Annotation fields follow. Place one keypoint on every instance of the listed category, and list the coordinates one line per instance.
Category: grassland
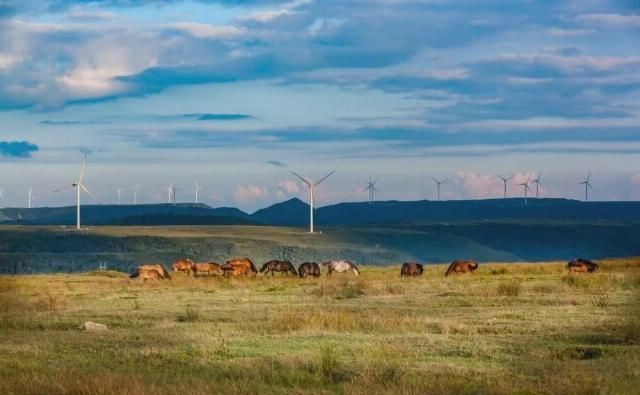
(517, 328)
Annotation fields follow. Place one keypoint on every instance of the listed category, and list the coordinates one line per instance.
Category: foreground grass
(522, 328)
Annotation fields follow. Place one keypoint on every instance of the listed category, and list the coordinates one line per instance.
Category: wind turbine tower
(135, 194)
(196, 188)
(371, 187)
(2, 195)
(30, 198)
(505, 180)
(538, 184)
(119, 196)
(587, 186)
(526, 188)
(312, 186)
(79, 185)
(171, 193)
(438, 183)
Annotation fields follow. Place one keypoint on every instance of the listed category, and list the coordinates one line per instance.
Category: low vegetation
(520, 328)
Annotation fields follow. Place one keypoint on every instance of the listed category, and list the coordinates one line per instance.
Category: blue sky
(235, 93)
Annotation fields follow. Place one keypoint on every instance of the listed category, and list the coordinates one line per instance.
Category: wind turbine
(526, 188)
(371, 187)
(79, 186)
(438, 183)
(196, 188)
(171, 193)
(538, 184)
(135, 194)
(311, 185)
(119, 195)
(587, 186)
(30, 197)
(505, 180)
(2, 195)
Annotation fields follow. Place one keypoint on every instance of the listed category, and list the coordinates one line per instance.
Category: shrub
(511, 288)
(191, 314)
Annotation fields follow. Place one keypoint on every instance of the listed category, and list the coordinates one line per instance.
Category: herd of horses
(245, 267)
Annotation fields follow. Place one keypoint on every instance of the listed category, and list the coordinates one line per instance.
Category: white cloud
(244, 194)
(610, 20)
(288, 187)
(201, 30)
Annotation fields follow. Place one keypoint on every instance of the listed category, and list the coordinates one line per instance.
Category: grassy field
(508, 328)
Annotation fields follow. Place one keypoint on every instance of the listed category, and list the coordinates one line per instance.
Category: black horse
(309, 269)
(278, 266)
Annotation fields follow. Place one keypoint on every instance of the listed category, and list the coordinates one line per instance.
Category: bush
(511, 288)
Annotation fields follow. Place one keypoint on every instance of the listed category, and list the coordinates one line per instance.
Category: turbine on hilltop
(438, 183)
(587, 186)
(371, 187)
(526, 188)
(311, 185)
(505, 180)
(79, 185)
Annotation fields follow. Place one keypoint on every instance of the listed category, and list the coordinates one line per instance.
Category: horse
(206, 268)
(154, 266)
(150, 272)
(309, 269)
(284, 267)
(462, 267)
(341, 267)
(182, 265)
(411, 269)
(582, 266)
(239, 267)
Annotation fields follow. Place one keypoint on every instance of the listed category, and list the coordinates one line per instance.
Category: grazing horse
(284, 267)
(341, 267)
(462, 267)
(207, 268)
(309, 269)
(157, 267)
(182, 265)
(582, 266)
(411, 269)
(239, 267)
(150, 272)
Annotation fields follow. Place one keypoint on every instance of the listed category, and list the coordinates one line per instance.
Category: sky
(235, 94)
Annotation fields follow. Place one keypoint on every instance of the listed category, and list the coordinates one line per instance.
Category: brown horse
(582, 266)
(150, 272)
(309, 269)
(462, 267)
(207, 268)
(182, 265)
(157, 267)
(239, 267)
(411, 269)
(284, 267)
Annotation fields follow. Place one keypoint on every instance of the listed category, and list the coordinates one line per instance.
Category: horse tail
(135, 275)
(264, 267)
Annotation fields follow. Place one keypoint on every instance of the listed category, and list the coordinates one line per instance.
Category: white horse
(341, 267)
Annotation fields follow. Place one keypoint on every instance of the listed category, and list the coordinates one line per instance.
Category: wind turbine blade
(324, 178)
(434, 179)
(513, 175)
(84, 165)
(590, 187)
(374, 181)
(89, 193)
(301, 178)
(63, 188)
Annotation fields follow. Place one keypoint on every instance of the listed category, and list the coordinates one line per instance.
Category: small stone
(90, 326)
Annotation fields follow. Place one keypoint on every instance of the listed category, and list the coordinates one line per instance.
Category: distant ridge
(294, 212)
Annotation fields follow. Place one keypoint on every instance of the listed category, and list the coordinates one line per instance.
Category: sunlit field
(508, 328)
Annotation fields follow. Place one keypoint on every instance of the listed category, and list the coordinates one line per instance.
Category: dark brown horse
(284, 267)
(582, 266)
(462, 267)
(411, 269)
(182, 265)
(207, 268)
(239, 267)
(309, 269)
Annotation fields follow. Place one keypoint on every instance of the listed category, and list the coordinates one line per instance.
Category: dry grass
(525, 328)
